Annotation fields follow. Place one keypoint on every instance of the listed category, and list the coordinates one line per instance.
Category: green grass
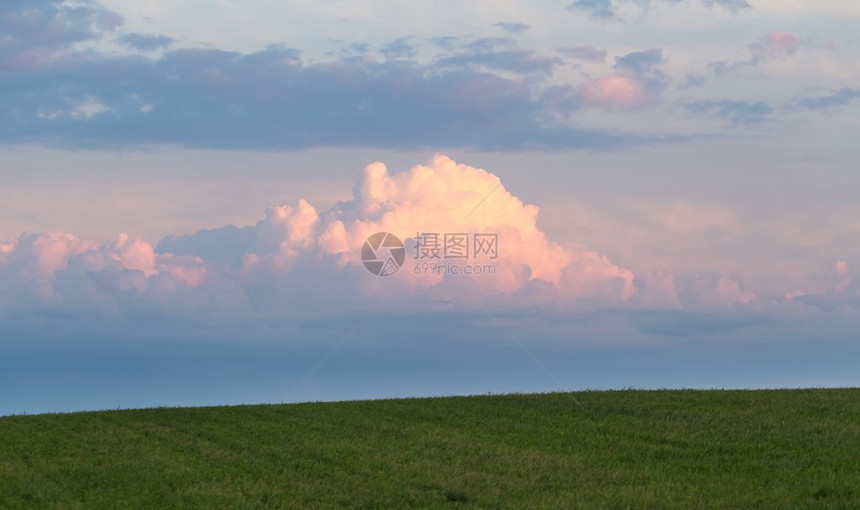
(619, 449)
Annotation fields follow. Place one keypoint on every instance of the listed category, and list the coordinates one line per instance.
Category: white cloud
(297, 261)
(297, 256)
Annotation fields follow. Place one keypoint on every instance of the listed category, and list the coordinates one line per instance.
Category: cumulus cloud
(298, 257)
(438, 198)
(45, 268)
(842, 292)
(301, 263)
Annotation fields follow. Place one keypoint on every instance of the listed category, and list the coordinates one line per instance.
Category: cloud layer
(297, 260)
(483, 92)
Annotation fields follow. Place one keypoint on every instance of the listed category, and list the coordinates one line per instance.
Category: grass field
(619, 449)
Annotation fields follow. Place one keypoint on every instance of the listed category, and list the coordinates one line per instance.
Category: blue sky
(186, 188)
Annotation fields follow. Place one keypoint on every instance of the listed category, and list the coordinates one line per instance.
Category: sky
(595, 194)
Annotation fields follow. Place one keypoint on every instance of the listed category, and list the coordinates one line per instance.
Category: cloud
(296, 259)
(298, 265)
(34, 32)
(772, 46)
(499, 53)
(513, 28)
(398, 48)
(444, 41)
(731, 5)
(693, 80)
(483, 94)
(840, 97)
(736, 112)
(713, 291)
(637, 82)
(146, 42)
(52, 23)
(601, 9)
(615, 90)
(841, 268)
(640, 62)
(300, 262)
(441, 197)
(584, 53)
(608, 9)
(842, 295)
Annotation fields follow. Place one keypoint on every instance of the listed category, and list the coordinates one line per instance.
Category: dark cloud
(513, 28)
(490, 44)
(584, 53)
(445, 41)
(399, 48)
(722, 67)
(640, 62)
(839, 98)
(601, 9)
(273, 99)
(736, 112)
(359, 48)
(731, 5)
(607, 9)
(32, 32)
(772, 46)
(693, 80)
(484, 53)
(145, 42)
(226, 244)
(51, 23)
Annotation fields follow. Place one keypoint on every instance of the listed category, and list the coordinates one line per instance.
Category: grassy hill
(619, 449)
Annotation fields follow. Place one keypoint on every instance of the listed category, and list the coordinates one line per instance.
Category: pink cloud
(613, 91)
(186, 270)
(775, 45)
(298, 256)
(296, 260)
(840, 267)
(134, 254)
(715, 291)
